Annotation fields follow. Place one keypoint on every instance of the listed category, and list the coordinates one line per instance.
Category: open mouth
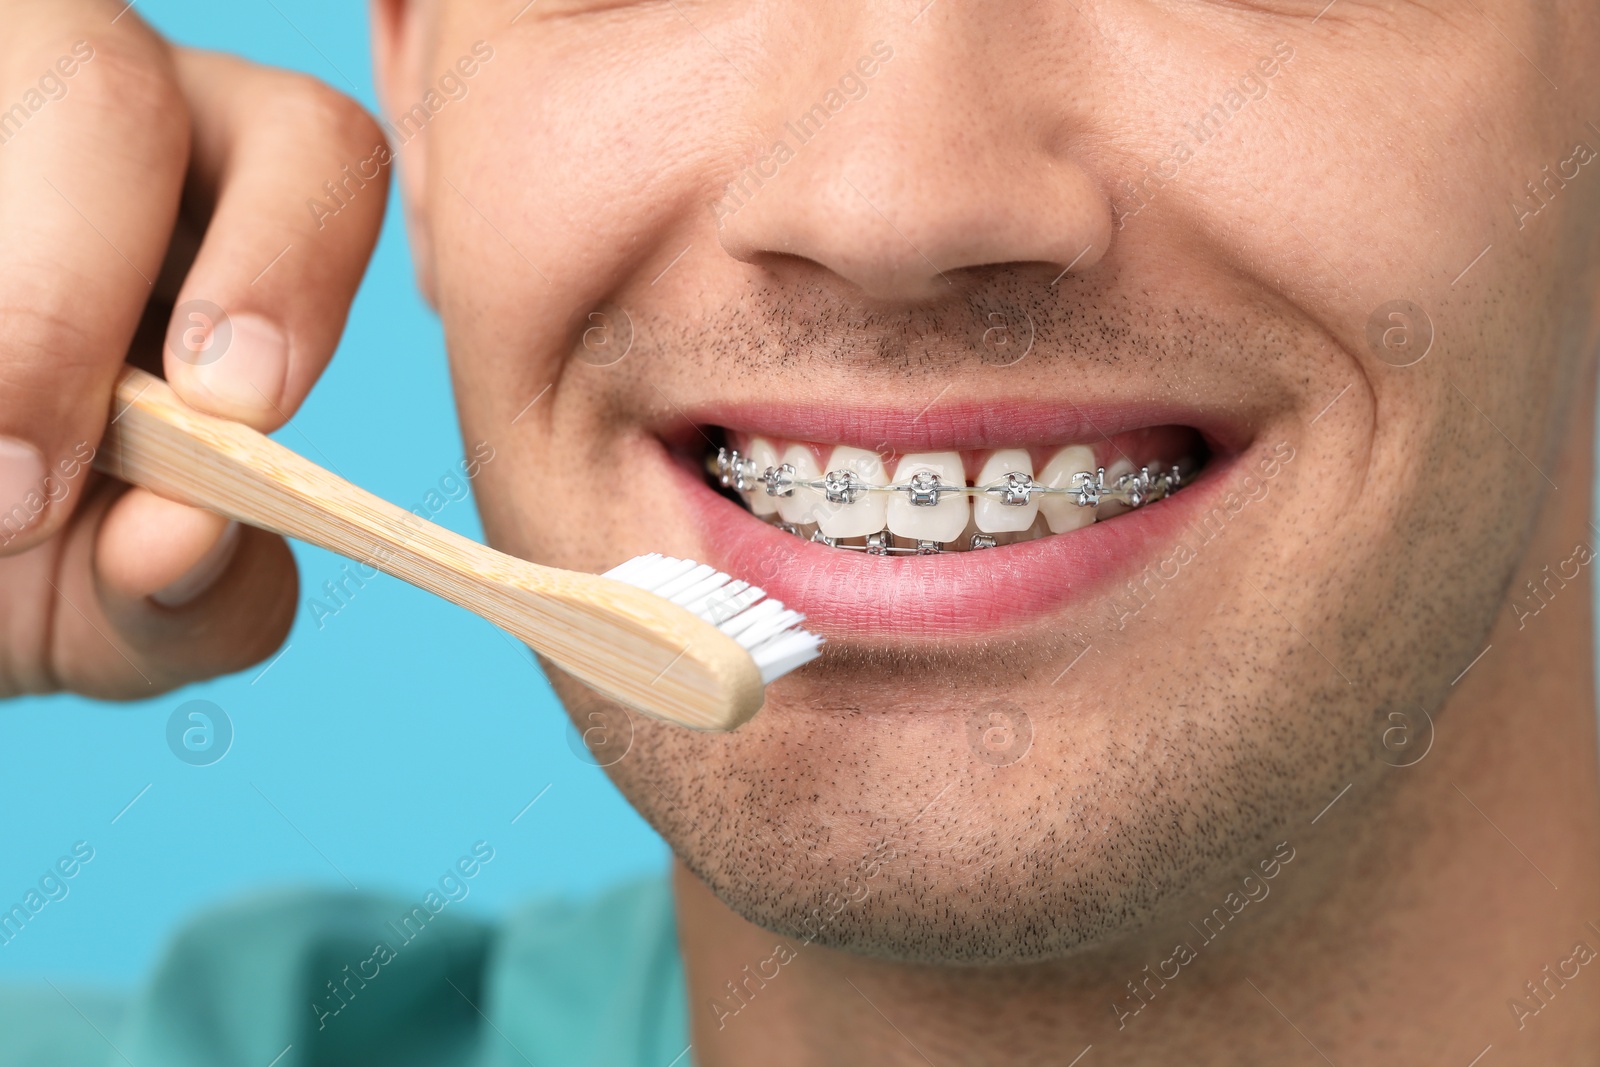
(891, 525)
(926, 503)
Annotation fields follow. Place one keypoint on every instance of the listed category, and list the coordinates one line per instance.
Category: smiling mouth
(871, 568)
(929, 503)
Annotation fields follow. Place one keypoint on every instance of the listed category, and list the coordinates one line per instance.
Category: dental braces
(925, 489)
(883, 543)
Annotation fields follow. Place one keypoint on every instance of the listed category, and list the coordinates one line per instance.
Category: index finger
(90, 182)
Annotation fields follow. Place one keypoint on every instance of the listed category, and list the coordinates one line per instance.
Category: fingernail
(202, 575)
(251, 373)
(22, 488)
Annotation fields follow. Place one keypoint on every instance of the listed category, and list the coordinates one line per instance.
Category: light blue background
(376, 749)
(380, 746)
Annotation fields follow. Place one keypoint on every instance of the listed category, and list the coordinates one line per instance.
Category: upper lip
(961, 425)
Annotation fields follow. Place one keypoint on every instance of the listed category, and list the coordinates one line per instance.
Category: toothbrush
(673, 639)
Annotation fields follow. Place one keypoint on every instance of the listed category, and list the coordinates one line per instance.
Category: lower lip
(852, 595)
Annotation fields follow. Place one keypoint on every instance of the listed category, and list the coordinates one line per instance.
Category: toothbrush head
(763, 627)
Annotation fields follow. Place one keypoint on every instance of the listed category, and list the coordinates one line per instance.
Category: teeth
(991, 513)
(1060, 512)
(867, 514)
(851, 502)
(1154, 466)
(763, 455)
(1117, 469)
(802, 505)
(940, 522)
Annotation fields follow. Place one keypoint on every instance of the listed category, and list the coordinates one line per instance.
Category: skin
(107, 223)
(1246, 712)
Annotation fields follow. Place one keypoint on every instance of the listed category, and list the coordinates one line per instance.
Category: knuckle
(43, 334)
(128, 74)
(326, 115)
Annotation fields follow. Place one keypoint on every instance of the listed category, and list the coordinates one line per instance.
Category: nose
(903, 180)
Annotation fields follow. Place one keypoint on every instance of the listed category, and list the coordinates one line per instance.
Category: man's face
(1163, 230)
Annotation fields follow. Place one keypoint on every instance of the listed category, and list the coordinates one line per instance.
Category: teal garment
(316, 979)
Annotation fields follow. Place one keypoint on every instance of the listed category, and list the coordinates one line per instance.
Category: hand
(136, 176)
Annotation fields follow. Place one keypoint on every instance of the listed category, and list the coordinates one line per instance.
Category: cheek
(608, 163)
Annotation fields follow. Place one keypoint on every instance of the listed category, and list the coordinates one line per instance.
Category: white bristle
(707, 585)
(726, 602)
(748, 619)
(766, 629)
(769, 629)
(685, 581)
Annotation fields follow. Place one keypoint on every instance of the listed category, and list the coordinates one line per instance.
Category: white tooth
(1155, 467)
(801, 505)
(993, 516)
(1060, 510)
(764, 455)
(964, 541)
(1116, 470)
(866, 515)
(942, 522)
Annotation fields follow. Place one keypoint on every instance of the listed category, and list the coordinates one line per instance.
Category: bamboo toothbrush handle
(157, 441)
(631, 645)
